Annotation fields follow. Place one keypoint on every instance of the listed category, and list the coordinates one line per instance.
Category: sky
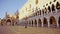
(10, 6)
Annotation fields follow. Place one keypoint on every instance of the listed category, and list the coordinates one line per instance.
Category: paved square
(28, 30)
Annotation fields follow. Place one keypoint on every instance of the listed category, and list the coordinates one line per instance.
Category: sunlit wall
(28, 7)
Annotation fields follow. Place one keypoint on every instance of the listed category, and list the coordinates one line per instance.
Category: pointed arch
(45, 22)
(8, 21)
(53, 7)
(52, 21)
(49, 8)
(57, 5)
(39, 22)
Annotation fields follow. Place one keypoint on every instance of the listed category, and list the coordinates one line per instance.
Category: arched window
(57, 5)
(53, 7)
(49, 8)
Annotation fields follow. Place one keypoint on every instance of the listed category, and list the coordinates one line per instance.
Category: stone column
(42, 23)
(47, 11)
(28, 23)
(44, 13)
(51, 10)
(55, 9)
(33, 23)
(37, 22)
(48, 24)
(57, 24)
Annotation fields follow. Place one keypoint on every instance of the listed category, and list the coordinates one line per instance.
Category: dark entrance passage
(39, 22)
(8, 22)
(52, 22)
(59, 21)
(45, 22)
(32, 22)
